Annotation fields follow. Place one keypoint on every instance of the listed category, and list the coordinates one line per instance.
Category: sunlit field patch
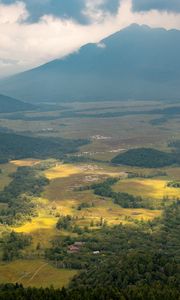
(67, 170)
(61, 171)
(34, 273)
(150, 188)
(42, 228)
(43, 221)
(25, 162)
(114, 214)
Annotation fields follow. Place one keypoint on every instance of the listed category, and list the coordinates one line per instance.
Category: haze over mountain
(8, 105)
(135, 63)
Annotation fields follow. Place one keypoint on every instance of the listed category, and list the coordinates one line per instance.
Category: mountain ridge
(137, 62)
(9, 104)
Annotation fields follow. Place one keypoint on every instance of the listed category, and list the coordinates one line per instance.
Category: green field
(37, 273)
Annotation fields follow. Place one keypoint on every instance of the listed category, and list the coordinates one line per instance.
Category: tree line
(125, 200)
(26, 183)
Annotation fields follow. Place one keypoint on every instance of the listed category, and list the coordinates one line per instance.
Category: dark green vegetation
(151, 175)
(159, 292)
(84, 205)
(112, 72)
(14, 146)
(174, 184)
(25, 184)
(147, 158)
(12, 244)
(64, 223)
(130, 260)
(8, 105)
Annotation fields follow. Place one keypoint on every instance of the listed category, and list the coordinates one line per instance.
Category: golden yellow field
(36, 273)
(41, 222)
(25, 162)
(42, 228)
(150, 188)
(67, 170)
(61, 171)
(62, 199)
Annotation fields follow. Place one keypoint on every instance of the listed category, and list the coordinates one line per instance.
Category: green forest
(150, 271)
(15, 146)
(18, 195)
(147, 158)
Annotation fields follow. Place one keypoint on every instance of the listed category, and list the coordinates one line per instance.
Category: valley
(71, 188)
(90, 150)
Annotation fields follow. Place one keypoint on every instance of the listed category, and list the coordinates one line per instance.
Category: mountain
(135, 63)
(8, 105)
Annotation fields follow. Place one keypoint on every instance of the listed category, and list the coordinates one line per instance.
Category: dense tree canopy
(13, 243)
(26, 183)
(14, 146)
(146, 157)
(130, 259)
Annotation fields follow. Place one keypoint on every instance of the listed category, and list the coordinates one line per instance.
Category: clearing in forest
(150, 188)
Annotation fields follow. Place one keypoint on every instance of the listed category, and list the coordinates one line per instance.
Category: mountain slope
(8, 105)
(135, 63)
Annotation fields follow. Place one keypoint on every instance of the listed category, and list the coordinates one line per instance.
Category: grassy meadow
(37, 273)
(148, 188)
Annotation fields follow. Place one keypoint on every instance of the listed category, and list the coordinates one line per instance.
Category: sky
(33, 32)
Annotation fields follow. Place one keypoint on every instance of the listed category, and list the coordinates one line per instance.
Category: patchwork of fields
(67, 193)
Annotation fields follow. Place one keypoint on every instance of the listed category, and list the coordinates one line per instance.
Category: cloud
(13, 13)
(24, 45)
(101, 45)
(66, 8)
(98, 10)
(163, 5)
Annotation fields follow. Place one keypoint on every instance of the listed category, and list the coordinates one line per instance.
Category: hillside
(8, 105)
(14, 146)
(146, 157)
(135, 63)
